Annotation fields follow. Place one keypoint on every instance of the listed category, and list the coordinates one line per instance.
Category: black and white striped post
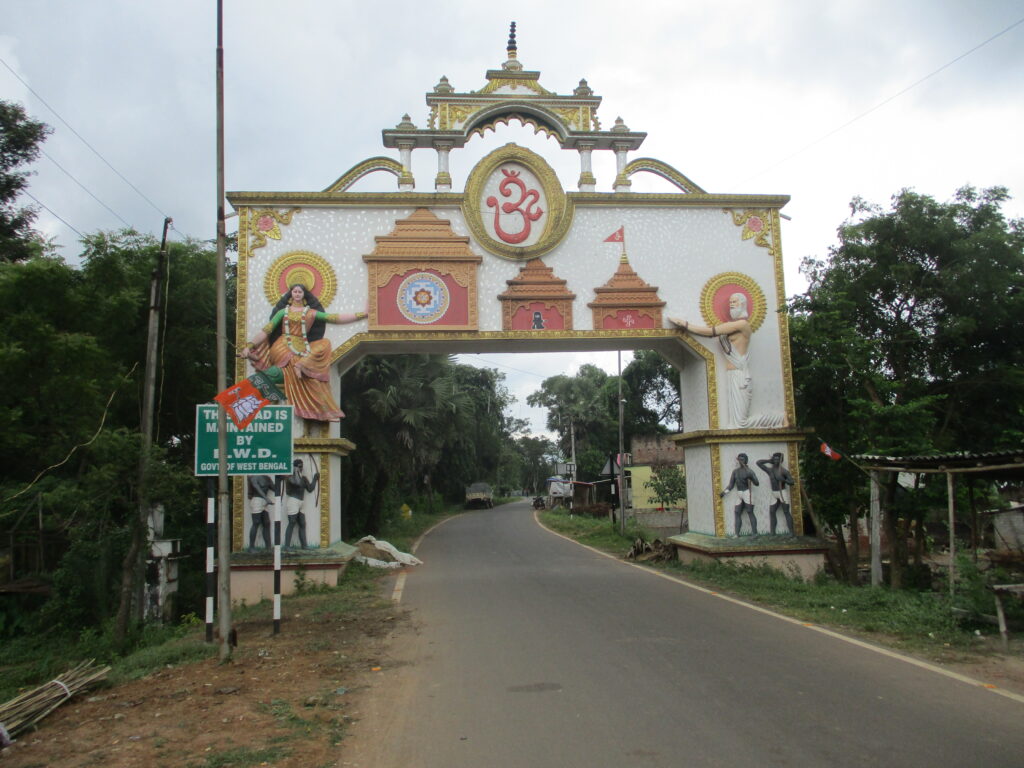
(211, 537)
(278, 501)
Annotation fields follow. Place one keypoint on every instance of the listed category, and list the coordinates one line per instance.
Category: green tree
(72, 349)
(906, 341)
(20, 140)
(421, 423)
(583, 411)
(585, 408)
(654, 386)
(538, 457)
(668, 483)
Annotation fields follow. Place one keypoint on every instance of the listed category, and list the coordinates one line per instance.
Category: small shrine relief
(626, 302)
(536, 300)
(422, 276)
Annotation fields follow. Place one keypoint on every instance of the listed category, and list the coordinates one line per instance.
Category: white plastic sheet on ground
(381, 554)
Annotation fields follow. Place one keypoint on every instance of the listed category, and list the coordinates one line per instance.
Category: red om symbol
(523, 206)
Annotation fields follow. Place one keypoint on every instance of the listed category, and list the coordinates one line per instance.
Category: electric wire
(82, 139)
(882, 103)
(84, 188)
(51, 211)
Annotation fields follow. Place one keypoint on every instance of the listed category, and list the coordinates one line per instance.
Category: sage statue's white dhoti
(740, 393)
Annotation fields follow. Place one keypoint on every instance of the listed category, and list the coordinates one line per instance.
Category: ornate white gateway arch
(514, 262)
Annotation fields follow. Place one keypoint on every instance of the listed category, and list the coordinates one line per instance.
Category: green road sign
(262, 448)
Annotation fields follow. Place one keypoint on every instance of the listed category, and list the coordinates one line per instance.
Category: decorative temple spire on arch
(512, 92)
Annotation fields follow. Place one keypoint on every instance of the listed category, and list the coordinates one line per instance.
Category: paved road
(534, 651)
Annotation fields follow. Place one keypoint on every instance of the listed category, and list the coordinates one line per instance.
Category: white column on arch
(406, 183)
(587, 182)
(622, 182)
(443, 180)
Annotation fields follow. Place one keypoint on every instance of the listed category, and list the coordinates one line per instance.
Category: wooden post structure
(951, 501)
(875, 538)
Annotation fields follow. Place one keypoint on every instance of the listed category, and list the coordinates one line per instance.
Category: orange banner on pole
(242, 402)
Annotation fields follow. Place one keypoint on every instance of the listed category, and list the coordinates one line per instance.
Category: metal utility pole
(224, 515)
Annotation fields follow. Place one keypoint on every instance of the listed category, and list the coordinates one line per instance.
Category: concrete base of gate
(252, 573)
(664, 524)
(800, 556)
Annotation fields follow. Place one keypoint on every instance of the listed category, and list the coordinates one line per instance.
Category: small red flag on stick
(618, 236)
(831, 453)
(242, 402)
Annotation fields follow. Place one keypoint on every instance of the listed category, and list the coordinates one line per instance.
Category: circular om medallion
(422, 298)
(514, 204)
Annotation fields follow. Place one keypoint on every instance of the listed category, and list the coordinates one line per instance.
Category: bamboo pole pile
(29, 708)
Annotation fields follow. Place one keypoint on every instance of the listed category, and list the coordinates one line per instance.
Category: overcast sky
(817, 99)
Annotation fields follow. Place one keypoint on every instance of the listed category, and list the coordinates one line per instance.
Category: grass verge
(915, 621)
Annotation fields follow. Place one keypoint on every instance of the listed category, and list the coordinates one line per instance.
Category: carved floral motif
(266, 223)
(756, 225)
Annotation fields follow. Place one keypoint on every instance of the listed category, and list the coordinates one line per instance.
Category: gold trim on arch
(786, 353)
(242, 289)
(491, 123)
(711, 361)
(662, 169)
(712, 286)
(796, 501)
(325, 500)
(365, 168)
(716, 483)
(411, 199)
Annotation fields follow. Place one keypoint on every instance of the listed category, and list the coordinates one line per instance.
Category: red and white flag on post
(242, 402)
(618, 236)
(830, 452)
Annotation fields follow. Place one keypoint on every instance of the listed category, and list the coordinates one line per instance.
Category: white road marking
(396, 594)
(853, 641)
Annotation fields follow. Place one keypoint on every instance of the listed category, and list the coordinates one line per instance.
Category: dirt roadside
(288, 700)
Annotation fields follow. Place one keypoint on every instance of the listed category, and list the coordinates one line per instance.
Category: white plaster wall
(700, 494)
(675, 249)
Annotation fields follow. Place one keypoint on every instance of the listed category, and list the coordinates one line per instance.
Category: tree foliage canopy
(72, 355)
(908, 333)
(21, 138)
(907, 342)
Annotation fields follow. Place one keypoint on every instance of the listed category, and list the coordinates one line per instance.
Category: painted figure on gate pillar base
(295, 487)
(742, 479)
(780, 479)
(261, 495)
(293, 340)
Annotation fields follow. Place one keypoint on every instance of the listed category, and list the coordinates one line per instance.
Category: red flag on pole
(831, 453)
(242, 402)
(618, 236)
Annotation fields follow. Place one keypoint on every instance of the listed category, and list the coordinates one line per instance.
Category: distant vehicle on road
(479, 495)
